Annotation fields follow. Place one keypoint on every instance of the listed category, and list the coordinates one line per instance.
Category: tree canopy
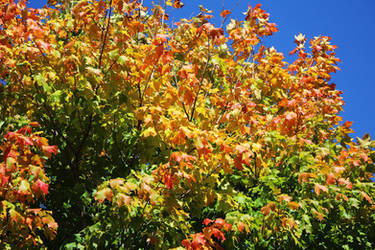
(122, 130)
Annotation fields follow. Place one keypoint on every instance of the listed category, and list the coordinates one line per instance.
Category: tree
(184, 134)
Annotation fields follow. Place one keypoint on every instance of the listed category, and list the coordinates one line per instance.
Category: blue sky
(350, 23)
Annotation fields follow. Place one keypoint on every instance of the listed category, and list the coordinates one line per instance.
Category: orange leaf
(34, 124)
(364, 195)
(48, 150)
(330, 179)
(207, 221)
(103, 194)
(320, 216)
(266, 210)
(290, 116)
(284, 197)
(123, 199)
(225, 13)
(319, 188)
(178, 4)
(293, 205)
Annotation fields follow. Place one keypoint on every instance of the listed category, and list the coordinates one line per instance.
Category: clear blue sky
(350, 23)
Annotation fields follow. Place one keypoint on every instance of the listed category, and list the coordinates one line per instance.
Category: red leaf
(48, 150)
(168, 180)
(198, 241)
(26, 141)
(266, 210)
(338, 196)
(207, 221)
(347, 183)
(6, 153)
(186, 243)
(25, 130)
(218, 234)
(220, 222)
(40, 185)
(240, 226)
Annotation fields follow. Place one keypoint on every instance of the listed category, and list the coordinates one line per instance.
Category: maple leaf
(176, 156)
(318, 188)
(218, 234)
(293, 205)
(48, 150)
(186, 243)
(123, 199)
(266, 210)
(207, 221)
(178, 4)
(24, 130)
(284, 197)
(198, 241)
(40, 185)
(330, 179)
(290, 116)
(364, 195)
(225, 13)
(24, 188)
(34, 124)
(240, 226)
(300, 38)
(220, 222)
(168, 180)
(320, 216)
(116, 182)
(44, 45)
(105, 193)
(339, 196)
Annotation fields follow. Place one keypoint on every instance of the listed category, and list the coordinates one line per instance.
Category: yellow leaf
(149, 132)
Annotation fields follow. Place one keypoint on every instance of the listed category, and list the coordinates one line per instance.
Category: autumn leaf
(104, 194)
(40, 185)
(318, 188)
(49, 150)
(177, 4)
(225, 13)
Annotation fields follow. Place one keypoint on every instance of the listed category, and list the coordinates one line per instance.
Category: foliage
(23, 182)
(186, 134)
